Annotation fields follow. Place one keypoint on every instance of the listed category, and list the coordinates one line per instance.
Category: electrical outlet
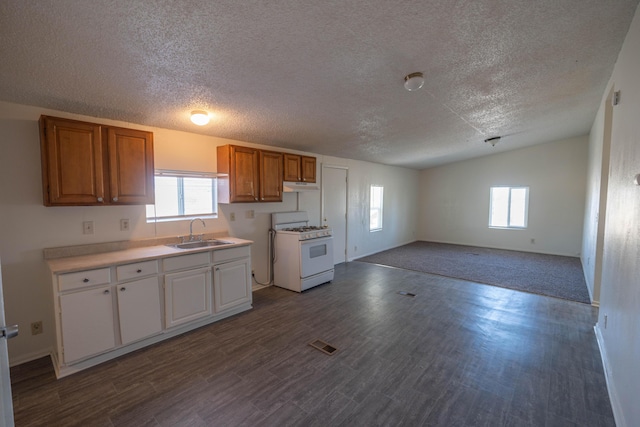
(124, 224)
(533, 240)
(250, 214)
(232, 216)
(36, 327)
(87, 227)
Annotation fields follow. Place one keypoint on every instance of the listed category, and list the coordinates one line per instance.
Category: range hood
(293, 187)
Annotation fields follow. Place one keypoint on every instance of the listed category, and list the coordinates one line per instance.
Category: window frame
(509, 206)
(379, 209)
(181, 175)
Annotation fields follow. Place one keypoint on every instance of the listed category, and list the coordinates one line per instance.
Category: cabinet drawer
(185, 261)
(82, 279)
(231, 253)
(139, 269)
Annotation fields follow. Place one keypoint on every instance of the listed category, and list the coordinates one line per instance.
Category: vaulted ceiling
(323, 76)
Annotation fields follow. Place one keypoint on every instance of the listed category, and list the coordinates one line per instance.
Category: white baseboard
(355, 258)
(24, 358)
(613, 395)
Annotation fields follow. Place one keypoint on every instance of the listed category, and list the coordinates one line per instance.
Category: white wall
(454, 198)
(595, 205)
(400, 207)
(619, 335)
(27, 227)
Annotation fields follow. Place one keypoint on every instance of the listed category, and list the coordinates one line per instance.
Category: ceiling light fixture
(199, 117)
(493, 141)
(413, 81)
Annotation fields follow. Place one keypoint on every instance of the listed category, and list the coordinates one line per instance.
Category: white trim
(188, 174)
(618, 415)
(31, 356)
(380, 250)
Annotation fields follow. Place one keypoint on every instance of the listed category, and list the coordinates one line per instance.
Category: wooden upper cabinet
(308, 169)
(131, 173)
(72, 162)
(241, 164)
(270, 176)
(292, 163)
(299, 168)
(87, 164)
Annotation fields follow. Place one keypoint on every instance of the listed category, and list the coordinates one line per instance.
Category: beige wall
(618, 325)
(454, 205)
(27, 227)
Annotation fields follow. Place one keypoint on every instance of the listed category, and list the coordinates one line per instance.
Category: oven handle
(317, 239)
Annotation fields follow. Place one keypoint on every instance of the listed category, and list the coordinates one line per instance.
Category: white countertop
(107, 259)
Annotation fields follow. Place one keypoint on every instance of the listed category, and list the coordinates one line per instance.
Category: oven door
(316, 256)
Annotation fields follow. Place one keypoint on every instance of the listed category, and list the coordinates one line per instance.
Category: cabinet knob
(106, 291)
(100, 199)
(115, 199)
(138, 271)
(217, 268)
(122, 289)
(85, 280)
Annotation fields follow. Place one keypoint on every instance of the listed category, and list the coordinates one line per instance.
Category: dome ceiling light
(413, 81)
(200, 117)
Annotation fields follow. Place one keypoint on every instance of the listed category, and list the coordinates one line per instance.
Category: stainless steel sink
(199, 244)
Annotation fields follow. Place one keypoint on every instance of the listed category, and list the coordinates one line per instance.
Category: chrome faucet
(191, 228)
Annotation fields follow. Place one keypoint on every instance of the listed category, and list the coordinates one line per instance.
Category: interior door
(334, 208)
(6, 403)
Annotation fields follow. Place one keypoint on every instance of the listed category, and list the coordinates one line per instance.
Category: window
(508, 207)
(375, 206)
(182, 194)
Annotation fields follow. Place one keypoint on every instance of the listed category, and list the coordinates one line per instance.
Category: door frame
(346, 202)
(6, 401)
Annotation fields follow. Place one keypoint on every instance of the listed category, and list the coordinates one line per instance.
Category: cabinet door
(87, 323)
(308, 169)
(292, 164)
(243, 176)
(270, 176)
(72, 162)
(187, 296)
(131, 173)
(139, 309)
(232, 284)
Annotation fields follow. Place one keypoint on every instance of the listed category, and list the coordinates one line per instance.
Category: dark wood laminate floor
(456, 354)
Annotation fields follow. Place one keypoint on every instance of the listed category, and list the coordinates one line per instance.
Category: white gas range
(303, 254)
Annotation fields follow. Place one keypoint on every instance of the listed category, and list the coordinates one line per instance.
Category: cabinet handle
(217, 268)
(138, 271)
(85, 280)
(106, 291)
(115, 199)
(100, 199)
(122, 289)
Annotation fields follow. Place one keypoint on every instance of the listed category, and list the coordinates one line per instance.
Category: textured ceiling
(323, 76)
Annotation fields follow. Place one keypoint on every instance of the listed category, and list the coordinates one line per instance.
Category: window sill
(180, 218)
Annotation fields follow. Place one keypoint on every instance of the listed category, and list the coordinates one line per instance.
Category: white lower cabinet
(87, 323)
(99, 318)
(187, 296)
(139, 309)
(232, 284)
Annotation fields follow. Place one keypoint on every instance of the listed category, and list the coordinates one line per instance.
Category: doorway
(334, 208)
